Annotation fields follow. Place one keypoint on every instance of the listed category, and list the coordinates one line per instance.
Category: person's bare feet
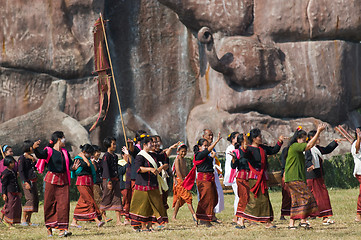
(358, 218)
(126, 222)
(174, 219)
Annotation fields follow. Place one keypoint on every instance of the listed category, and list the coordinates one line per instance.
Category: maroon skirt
(319, 191)
(12, 208)
(86, 209)
(243, 194)
(208, 196)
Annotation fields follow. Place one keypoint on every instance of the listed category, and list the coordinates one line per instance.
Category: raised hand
(36, 144)
(358, 132)
(125, 150)
(321, 127)
(76, 164)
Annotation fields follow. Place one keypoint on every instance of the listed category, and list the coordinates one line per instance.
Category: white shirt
(227, 167)
(356, 159)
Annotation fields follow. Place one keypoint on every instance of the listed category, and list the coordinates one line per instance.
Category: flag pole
(2, 153)
(115, 86)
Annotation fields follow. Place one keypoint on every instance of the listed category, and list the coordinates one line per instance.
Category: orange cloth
(179, 192)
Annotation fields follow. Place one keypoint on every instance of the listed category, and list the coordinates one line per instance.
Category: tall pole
(115, 86)
(2, 153)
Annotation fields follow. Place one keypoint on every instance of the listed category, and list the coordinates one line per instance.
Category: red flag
(101, 67)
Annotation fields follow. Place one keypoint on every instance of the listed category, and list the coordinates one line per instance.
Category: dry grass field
(343, 202)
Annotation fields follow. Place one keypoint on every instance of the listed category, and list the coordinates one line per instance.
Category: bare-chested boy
(180, 194)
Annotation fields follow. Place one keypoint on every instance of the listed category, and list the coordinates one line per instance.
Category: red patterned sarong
(208, 196)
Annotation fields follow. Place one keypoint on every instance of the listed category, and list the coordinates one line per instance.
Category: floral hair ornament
(248, 134)
(306, 139)
(299, 128)
(135, 139)
(142, 136)
(51, 142)
(229, 135)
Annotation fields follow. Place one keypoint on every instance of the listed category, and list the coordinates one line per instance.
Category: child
(10, 193)
(180, 194)
(86, 209)
(111, 191)
(28, 178)
(97, 187)
(124, 179)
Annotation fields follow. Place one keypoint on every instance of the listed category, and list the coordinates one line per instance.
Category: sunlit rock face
(154, 57)
(270, 64)
(297, 63)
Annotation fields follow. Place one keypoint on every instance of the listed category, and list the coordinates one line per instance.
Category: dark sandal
(240, 226)
(305, 225)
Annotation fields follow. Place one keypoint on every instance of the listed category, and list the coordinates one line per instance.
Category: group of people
(136, 185)
(304, 193)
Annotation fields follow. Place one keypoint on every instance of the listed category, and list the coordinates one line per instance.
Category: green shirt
(295, 163)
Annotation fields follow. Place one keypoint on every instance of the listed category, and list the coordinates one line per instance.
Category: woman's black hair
(255, 132)
(138, 133)
(239, 141)
(157, 136)
(107, 142)
(96, 148)
(27, 145)
(232, 136)
(8, 160)
(87, 148)
(298, 134)
(311, 134)
(199, 143)
(145, 140)
(54, 138)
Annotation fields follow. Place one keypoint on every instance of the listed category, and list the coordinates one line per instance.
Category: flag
(101, 65)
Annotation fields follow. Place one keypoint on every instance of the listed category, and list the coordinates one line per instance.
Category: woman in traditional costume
(203, 163)
(259, 208)
(86, 209)
(314, 176)
(57, 182)
(303, 202)
(240, 164)
(111, 200)
(147, 205)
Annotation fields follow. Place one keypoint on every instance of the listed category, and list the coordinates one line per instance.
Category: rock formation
(296, 64)
(269, 64)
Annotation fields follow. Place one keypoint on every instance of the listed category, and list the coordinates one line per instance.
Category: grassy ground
(343, 202)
